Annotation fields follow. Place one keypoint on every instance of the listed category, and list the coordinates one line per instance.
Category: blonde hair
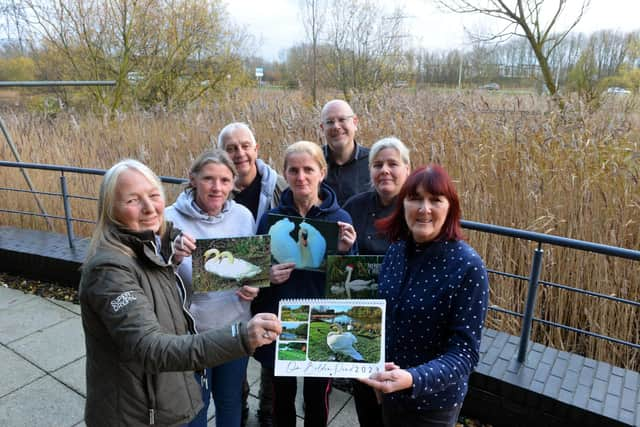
(102, 234)
(306, 147)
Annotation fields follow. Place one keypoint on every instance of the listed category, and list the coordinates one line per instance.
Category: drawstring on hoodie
(173, 246)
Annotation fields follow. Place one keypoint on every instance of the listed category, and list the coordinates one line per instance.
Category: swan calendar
(338, 338)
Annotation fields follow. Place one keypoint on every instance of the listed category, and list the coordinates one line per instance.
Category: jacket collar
(146, 245)
(358, 153)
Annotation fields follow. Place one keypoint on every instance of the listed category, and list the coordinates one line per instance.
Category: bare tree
(537, 21)
(167, 52)
(313, 14)
(366, 46)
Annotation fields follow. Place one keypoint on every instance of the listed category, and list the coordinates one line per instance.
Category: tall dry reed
(517, 162)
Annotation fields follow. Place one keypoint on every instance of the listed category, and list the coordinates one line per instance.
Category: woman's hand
(263, 329)
(346, 236)
(279, 273)
(392, 379)
(183, 246)
(247, 293)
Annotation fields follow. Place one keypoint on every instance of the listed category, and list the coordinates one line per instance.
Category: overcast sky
(276, 24)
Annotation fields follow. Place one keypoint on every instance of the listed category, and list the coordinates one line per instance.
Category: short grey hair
(390, 142)
(232, 127)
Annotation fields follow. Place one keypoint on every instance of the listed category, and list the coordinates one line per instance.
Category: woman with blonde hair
(141, 344)
(307, 197)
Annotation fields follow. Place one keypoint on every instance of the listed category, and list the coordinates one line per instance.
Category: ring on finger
(266, 335)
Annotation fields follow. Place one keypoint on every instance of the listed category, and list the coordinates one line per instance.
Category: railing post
(67, 209)
(531, 302)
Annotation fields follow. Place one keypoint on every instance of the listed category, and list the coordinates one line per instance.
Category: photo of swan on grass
(352, 276)
(228, 263)
(345, 333)
(305, 242)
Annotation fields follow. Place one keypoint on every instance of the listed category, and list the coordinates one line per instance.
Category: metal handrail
(47, 83)
(533, 278)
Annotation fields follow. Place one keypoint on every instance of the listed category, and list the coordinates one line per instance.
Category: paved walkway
(42, 362)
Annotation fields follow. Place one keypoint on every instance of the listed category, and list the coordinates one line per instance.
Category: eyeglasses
(340, 120)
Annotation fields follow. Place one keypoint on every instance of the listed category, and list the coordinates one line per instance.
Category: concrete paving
(42, 366)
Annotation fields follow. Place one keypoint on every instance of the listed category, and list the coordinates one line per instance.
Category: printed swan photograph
(224, 264)
(302, 241)
(345, 333)
(352, 276)
(228, 263)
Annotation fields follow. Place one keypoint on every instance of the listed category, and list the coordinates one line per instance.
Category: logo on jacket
(122, 301)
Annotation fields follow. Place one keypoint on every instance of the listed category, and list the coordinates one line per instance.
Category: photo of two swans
(227, 263)
(305, 242)
(340, 332)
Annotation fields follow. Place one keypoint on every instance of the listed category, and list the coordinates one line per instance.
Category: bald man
(348, 161)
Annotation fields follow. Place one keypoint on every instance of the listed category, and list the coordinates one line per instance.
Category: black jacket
(352, 177)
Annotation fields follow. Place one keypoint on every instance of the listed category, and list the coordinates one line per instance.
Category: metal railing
(533, 279)
(64, 193)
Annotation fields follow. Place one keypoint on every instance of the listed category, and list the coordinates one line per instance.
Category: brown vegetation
(516, 161)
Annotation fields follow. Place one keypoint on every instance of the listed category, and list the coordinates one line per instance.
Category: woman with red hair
(437, 291)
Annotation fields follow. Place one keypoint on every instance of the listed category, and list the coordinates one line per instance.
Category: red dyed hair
(431, 179)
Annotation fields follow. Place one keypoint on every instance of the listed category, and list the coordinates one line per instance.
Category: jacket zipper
(192, 324)
(152, 400)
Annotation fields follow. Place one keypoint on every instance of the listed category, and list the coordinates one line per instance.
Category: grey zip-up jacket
(271, 187)
(141, 344)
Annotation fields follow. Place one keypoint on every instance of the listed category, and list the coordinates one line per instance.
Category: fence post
(67, 209)
(531, 302)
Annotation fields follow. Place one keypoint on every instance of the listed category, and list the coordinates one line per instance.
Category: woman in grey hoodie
(204, 211)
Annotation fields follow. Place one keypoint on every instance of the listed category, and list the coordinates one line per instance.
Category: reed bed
(516, 161)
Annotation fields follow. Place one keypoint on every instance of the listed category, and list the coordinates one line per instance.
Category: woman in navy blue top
(309, 197)
(437, 291)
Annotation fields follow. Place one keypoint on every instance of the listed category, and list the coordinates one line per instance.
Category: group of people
(157, 352)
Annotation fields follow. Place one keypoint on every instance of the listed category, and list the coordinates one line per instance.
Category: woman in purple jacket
(437, 291)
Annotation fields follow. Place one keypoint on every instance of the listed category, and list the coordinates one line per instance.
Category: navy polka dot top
(437, 297)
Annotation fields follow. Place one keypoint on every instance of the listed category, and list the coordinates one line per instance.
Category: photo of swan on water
(229, 263)
(353, 276)
(305, 242)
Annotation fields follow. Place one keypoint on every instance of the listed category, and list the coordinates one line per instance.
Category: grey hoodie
(271, 187)
(211, 309)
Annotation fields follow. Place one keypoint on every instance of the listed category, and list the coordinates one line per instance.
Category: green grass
(291, 355)
(369, 348)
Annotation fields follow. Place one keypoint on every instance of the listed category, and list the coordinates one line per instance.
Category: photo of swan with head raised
(352, 276)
